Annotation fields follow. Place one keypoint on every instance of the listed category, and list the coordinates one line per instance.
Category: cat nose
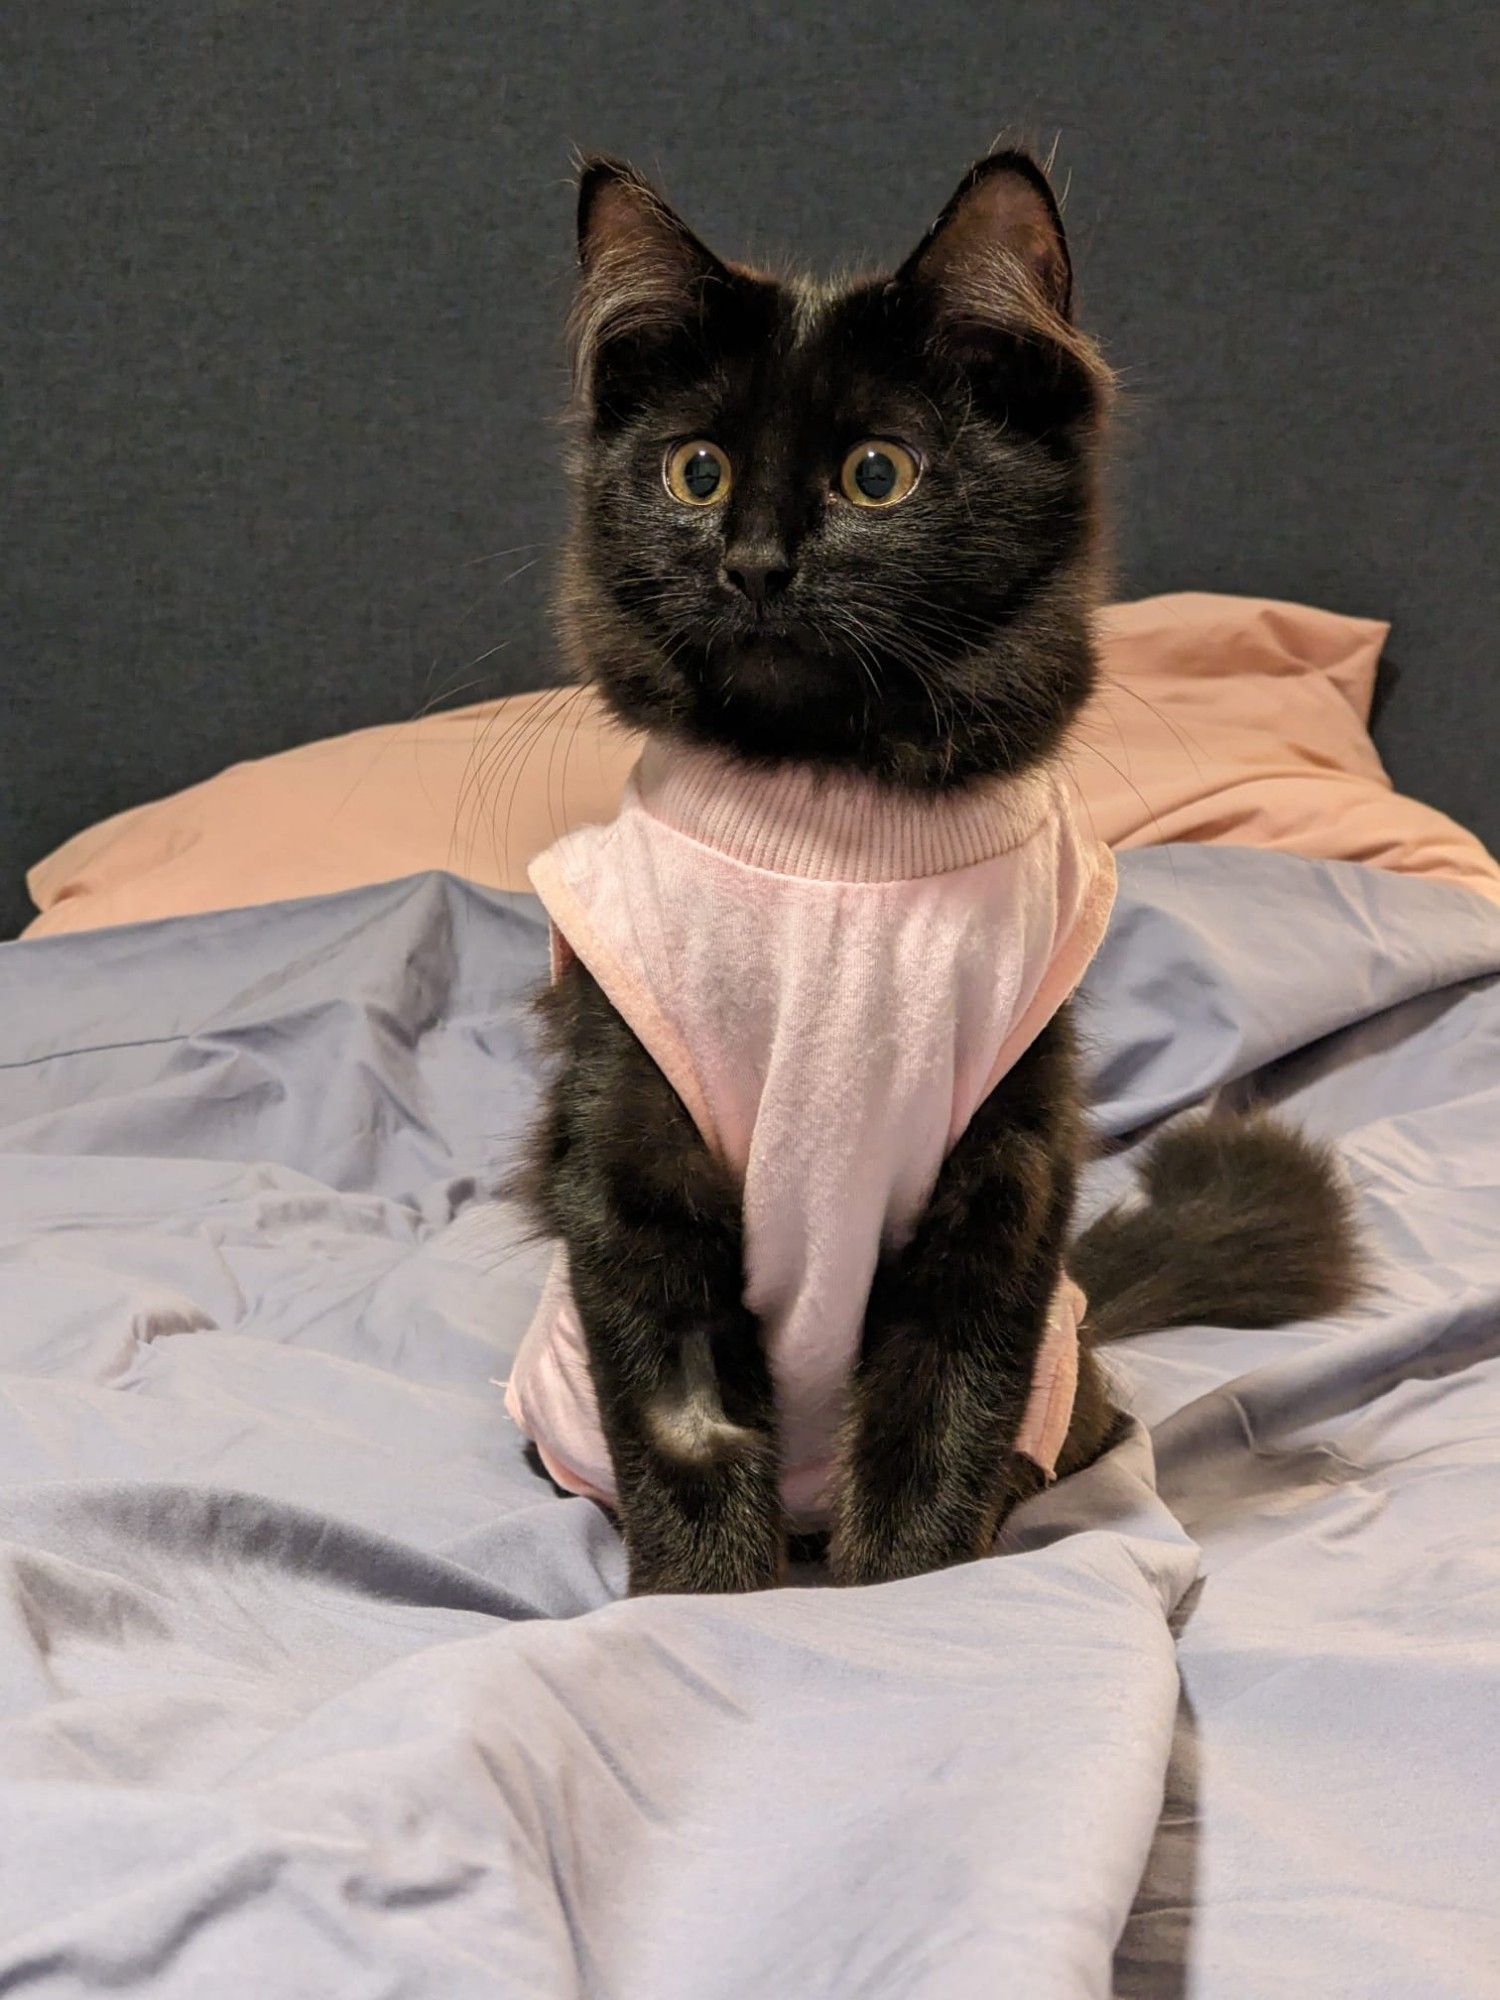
(759, 574)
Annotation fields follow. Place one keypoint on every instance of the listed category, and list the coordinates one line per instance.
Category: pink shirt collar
(828, 826)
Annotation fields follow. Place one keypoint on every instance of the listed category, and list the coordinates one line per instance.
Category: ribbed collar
(795, 821)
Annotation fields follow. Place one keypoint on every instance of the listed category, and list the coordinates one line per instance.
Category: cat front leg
(652, 1225)
(952, 1331)
(691, 1440)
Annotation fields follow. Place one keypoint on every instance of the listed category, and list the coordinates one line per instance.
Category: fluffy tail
(1243, 1222)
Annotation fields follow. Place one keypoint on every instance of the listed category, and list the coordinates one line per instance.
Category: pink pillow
(1242, 721)
(476, 790)
(1226, 719)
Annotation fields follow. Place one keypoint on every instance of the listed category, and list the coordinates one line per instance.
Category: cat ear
(998, 247)
(992, 285)
(643, 279)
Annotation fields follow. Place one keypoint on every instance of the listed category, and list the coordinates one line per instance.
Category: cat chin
(774, 672)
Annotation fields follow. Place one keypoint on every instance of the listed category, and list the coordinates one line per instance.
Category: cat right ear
(644, 278)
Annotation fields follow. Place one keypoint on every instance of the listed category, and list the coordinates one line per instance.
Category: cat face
(851, 524)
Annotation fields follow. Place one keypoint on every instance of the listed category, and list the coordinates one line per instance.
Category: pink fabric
(833, 980)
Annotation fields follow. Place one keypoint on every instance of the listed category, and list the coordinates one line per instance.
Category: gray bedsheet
(308, 1686)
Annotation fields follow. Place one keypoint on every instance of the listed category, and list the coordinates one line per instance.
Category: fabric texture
(312, 1687)
(833, 977)
(1231, 720)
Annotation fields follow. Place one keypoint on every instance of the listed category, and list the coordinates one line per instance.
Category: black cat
(852, 529)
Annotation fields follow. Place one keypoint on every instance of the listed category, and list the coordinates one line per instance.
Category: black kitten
(849, 527)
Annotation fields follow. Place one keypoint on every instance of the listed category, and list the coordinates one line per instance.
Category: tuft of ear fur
(643, 275)
(995, 267)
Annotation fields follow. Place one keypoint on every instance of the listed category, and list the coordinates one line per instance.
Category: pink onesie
(833, 977)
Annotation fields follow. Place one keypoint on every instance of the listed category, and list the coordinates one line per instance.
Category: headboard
(287, 285)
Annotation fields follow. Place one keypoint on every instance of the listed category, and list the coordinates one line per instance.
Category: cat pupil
(875, 475)
(701, 474)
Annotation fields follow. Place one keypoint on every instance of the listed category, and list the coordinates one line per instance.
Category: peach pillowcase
(1235, 720)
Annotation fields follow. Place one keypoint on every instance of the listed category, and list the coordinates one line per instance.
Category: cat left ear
(999, 239)
(993, 285)
(643, 277)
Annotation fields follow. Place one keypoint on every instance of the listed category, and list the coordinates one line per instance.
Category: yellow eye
(879, 473)
(697, 473)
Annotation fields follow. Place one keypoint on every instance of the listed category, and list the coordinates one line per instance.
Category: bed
(309, 1686)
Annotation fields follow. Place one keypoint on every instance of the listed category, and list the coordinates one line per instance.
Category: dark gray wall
(286, 282)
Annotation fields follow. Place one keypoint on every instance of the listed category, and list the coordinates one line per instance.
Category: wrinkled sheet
(309, 1686)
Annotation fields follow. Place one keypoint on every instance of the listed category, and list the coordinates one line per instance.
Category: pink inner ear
(630, 226)
(1004, 212)
(624, 217)
(616, 213)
